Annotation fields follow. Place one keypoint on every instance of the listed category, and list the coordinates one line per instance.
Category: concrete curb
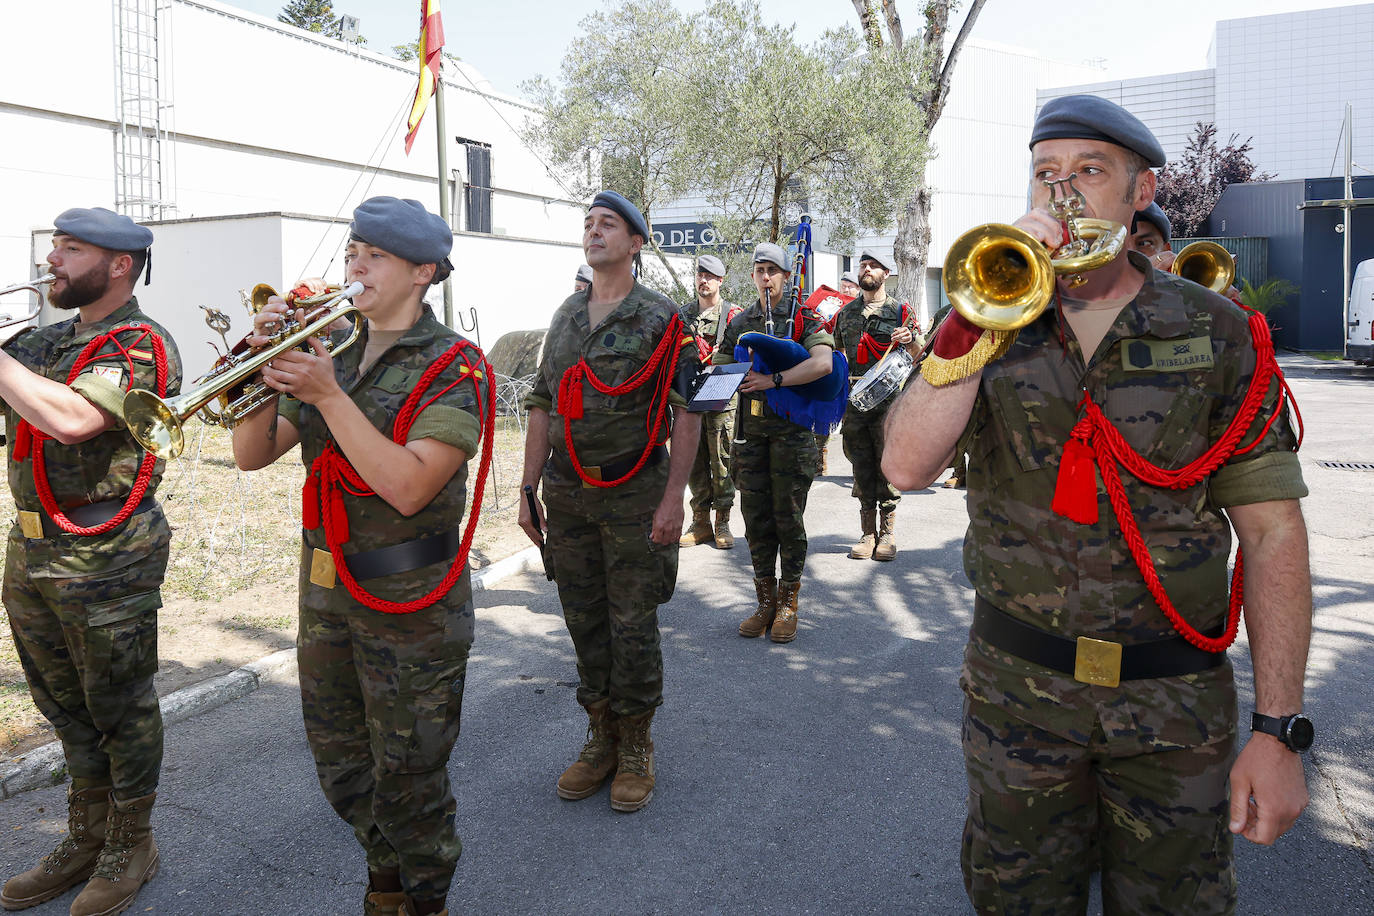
(45, 766)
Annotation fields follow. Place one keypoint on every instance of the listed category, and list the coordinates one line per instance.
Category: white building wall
(1285, 80)
(265, 118)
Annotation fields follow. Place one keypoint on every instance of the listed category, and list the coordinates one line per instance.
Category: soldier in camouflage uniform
(707, 318)
(381, 675)
(1075, 757)
(613, 523)
(83, 607)
(865, 328)
(776, 463)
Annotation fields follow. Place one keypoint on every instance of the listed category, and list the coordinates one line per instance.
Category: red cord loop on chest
(659, 369)
(29, 440)
(1094, 440)
(331, 476)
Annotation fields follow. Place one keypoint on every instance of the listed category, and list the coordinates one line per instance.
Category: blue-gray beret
(772, 254)
(711, 264)
(885, 261)
(1154, 216)
(403, 228)
(613, 200)
(1087, 117)
(104, 228)
(584, 273)
(849, 277)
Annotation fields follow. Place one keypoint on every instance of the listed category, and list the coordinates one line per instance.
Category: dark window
(477, 192)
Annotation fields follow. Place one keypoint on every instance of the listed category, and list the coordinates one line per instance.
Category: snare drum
(882, 381)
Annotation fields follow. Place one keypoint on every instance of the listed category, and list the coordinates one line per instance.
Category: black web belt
(92, 514)
(399, 558)
(613, 471)
(1092, 661)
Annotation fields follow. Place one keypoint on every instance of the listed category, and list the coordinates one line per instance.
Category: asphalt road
(820, 777)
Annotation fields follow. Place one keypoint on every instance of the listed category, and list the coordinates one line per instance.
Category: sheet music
(719, 387)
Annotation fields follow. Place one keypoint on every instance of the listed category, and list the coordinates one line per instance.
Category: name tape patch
(1166, 355)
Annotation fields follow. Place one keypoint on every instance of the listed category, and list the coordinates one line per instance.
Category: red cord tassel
(570, 394)
(338, 518)
(1075, 491)
(23, 440)
(310, 503)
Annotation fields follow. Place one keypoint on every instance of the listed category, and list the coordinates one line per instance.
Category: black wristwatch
(777, 379)
(1294, 731)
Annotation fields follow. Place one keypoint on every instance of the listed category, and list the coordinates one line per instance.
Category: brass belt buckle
(1097, 661)
(322, 572)
(31, 524)
(755, 407)
(592, 472)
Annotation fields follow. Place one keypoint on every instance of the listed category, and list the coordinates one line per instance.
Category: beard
(868, 283)
(81, 290)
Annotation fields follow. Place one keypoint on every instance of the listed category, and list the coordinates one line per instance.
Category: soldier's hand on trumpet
(270, 321)
(307, 377)
(1044, 226)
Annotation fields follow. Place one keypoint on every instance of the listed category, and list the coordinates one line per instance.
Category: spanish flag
(431, 46)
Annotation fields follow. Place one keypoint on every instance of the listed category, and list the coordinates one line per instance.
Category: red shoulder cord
(29, 439)
(1095, 439)
(659, 367)
(331, 475)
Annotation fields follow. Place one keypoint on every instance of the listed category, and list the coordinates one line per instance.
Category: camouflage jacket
(103, 467)
(612, 428)
(707, 325)
(1170, 374)
(879, 321)
(380, 393)
(760, 419)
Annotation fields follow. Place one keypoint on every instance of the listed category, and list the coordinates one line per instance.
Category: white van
(1359, 334)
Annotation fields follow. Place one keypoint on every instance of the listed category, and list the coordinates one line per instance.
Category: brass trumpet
(1001, 278)
(35, 285)
(157, 423)
(1206, 264)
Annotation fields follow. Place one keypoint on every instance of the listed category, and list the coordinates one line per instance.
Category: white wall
(265, 118)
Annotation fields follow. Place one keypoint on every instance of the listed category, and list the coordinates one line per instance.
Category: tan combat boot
(633, 786)
(755, 624)
(887, 546)
(700, 531)
(128, 861)
(74, 858)
(785, 626)
(724, 539)
(383, 903)
(868, 520)
(597, 760)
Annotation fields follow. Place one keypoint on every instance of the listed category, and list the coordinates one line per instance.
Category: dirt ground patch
(230, 593)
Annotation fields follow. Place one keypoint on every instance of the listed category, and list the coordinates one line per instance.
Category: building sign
(685, 238)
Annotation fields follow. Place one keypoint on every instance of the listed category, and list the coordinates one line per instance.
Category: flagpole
(442, 131)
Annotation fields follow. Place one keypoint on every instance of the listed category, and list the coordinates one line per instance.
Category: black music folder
(713, 388)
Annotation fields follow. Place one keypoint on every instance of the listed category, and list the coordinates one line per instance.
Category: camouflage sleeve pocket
(121, 640)
(420, 729)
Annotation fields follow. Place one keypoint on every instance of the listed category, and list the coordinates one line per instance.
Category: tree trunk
(910, 249)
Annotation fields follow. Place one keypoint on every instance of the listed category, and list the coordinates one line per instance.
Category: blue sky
(512, 40)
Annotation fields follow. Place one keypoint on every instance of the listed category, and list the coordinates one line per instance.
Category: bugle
(1206, 264)
(1001, 278)
(157, 423)
(36, 286)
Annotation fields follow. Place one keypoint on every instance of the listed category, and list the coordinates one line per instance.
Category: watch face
(1300, 733)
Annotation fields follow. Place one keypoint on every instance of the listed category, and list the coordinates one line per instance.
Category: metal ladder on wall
(142, 150)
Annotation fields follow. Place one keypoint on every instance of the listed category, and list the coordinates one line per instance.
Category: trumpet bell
(154, 424)
(998, 277)
(1206, 264)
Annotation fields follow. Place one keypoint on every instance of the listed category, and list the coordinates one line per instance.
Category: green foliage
(314, 16)
(408, 51)
(1269, 295)
(661, 104)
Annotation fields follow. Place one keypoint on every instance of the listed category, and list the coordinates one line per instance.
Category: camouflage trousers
(1044, 813)
(710, 478)
(611, 579)
(774, 469)
(382, 698)
(88, 646)
(862, 433)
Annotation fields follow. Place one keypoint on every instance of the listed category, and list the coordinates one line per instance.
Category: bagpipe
(816, 405)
